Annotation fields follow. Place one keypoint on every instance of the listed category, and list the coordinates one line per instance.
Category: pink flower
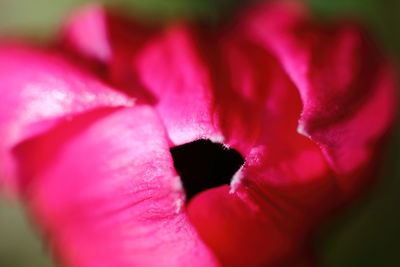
(103, 137)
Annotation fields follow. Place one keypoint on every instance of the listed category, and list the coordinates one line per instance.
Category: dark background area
(366, 235)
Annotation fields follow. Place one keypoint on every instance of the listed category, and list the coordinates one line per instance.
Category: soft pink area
(122, 207)
(38, 89)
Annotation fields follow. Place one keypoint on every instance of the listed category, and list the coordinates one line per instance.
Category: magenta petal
(170, 68)
(86, 32)
(38, 89)
(109, 195)
(347, 88)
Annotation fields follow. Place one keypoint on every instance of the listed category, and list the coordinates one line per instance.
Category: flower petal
(170, 68)
(346, 85)
(86, 32)
(108, 194)
(261, 224)
(112, 43)
(237, 90)
(38, 89)
(285, 187)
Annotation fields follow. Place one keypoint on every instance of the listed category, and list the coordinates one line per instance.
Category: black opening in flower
(203, 164)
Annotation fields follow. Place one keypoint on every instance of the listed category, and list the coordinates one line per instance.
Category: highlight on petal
(38, 89)
(170, 68)
(106, 193)
(346, 85)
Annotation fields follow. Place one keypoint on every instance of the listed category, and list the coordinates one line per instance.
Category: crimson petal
(285, 187)
(346, 85)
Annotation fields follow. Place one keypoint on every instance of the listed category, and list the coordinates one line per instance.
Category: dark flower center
(203, 164)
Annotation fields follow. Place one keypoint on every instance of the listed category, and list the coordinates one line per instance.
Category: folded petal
(38, 89)
(106, 193)
(290, 183)
(285, 187)
(346, 85)
(223, 89)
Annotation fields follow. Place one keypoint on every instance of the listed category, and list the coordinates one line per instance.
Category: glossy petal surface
(40, 88)
(123, 206)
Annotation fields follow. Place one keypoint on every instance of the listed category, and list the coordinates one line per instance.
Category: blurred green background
(367, 235)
